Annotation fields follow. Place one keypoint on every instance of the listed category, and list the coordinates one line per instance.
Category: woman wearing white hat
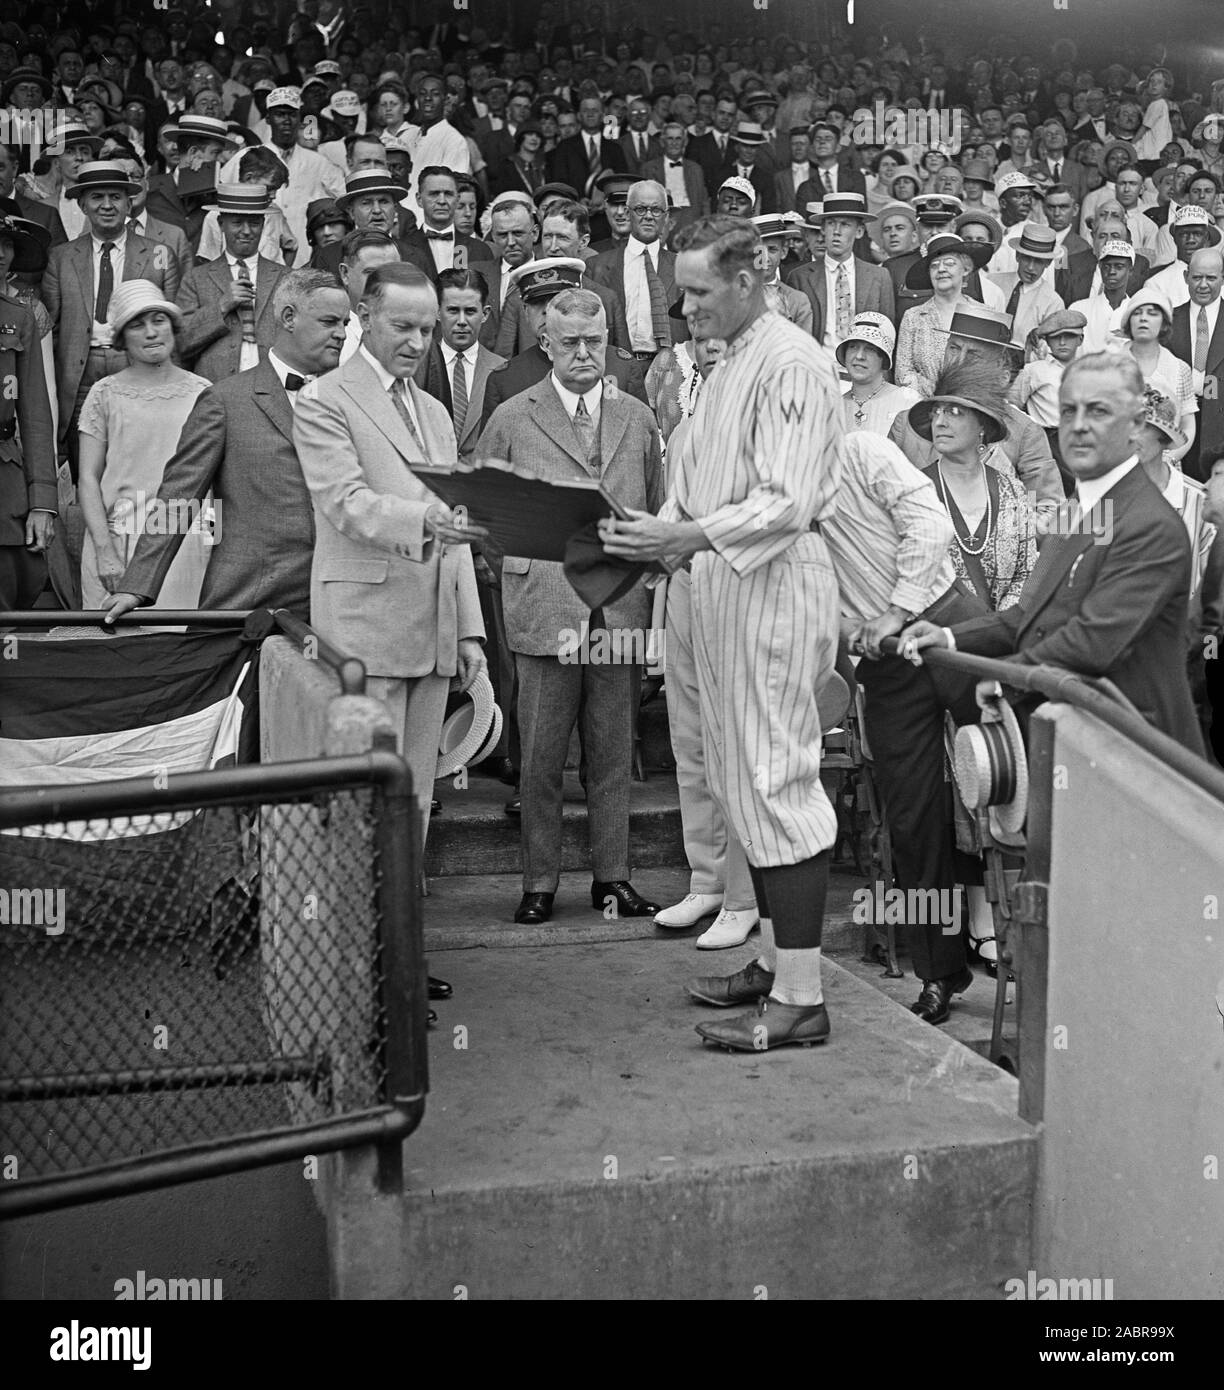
(129, 428)
(872, 402)
(1145, 321)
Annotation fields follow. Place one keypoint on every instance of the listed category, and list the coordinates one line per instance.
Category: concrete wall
(1130, 1184)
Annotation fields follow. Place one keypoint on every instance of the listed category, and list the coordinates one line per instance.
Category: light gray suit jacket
(533, 431)
(380, 588)
(238, 441)
(211, 342)
(69, 292)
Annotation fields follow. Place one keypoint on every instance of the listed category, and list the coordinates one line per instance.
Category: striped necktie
(398, 392)
(1013, 301)
(246, 312)
(841, 290)
(660, 324)
(1201, 340)
(459, 395)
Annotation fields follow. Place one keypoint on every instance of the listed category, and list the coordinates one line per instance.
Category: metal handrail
(350, 672)
(1069, 688)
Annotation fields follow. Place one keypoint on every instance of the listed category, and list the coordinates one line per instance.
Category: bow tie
(675, 164)
(293, 382)
(440, 236)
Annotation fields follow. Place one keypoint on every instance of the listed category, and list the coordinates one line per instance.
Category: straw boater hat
(991, 770)
(1041, 243)
(877, 331)
(243, 198)
(191, 126)
(77, 133)
(369, 181)
(131, 298)
(771, 224)
(18, 78)
(981, 325)
(101, 173)
(842, 205)
(471, 729)
(30, 240)
(749, 133)
(757, 97)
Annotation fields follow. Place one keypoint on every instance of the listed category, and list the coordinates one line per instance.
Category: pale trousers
(417, 706)
(716, 858)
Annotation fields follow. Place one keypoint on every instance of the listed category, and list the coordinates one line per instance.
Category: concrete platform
(580, 1142)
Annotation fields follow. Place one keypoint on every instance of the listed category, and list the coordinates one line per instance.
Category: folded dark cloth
(595, 576)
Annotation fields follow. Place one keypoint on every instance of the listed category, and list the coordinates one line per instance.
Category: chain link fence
(216, 974)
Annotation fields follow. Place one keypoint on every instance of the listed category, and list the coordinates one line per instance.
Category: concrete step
(580, 1142)
(473, 834)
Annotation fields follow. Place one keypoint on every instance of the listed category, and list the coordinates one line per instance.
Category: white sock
(798, 978)
(768, 959)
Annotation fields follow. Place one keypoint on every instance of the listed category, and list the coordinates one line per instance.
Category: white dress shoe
(690, 910)
(728, 929)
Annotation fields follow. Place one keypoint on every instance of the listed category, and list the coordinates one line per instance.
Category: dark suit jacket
(1076, 280)
(238, 441)
(1073, 175)
(849, 180)
(694, 185)
(1116, 610)
(69, 292)
(608, 268)
(27, 459)
(210, 343)
(431, 377)
(873, 290)
(415, 248)
(174, 239)
(1211, 406)
(45, 215)
(654, 151)
(166, 203)
(514, 336)
(534, 365)
(715, 167)
(568, 162)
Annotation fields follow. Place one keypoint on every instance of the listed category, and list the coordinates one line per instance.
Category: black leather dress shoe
(629, 902)
(514, 807)
(534, 909)
(439, 989)
(935, 1002)
(501, 768)
(431, 1018)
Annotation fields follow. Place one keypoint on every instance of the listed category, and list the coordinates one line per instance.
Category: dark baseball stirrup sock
(796, 894)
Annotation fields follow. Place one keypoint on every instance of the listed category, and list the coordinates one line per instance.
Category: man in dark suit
(1069, 172)
(1109, 594)
(639, 145)
(78, 283)
(570, 427)
(1198, 339)
(462, 309)
(228, 324)
(714, 150)
(843, 217)
(179, 197)
(28, 494)
(536, 283)
(580, 159)
(437, 245)
(747, 140)
(238, 442)
(834, 170)
(371, 199)
(642, 273)
(687, 196)
(1074, 281)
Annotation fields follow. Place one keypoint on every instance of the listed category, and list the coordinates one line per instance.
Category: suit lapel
(554, 420)
(266, 277)
(272, 398)
(135, 258)
(613, 422)
(82, 261)
(1215, 349)
(363, 385)
(484, 365)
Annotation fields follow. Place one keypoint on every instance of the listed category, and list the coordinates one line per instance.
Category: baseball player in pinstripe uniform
(759, 467)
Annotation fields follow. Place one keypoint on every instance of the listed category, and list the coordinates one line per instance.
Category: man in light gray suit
(574, 664)
(392, 581)
(238, 442)
(228, 324)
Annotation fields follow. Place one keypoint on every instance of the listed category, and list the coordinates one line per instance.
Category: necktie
(593, 165)
(584, 427)
(1057, 170)
(246, 312)
(660, 324)
(641, 146)
(459, 396)
(1013, 301)
(399, 391)
(293, 382)
(827, 179)
(675, 164)
(1201, 337)
(440, 236)
(842, 301)
(722, 143)
(106, 283)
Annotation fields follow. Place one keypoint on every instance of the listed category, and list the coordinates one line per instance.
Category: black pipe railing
(1054, 683)
(350, 672)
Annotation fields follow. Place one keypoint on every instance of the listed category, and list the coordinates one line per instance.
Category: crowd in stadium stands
(216, 221)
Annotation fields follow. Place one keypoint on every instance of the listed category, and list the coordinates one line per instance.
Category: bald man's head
(1205, 276)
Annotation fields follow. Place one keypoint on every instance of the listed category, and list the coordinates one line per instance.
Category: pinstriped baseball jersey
(758, 464)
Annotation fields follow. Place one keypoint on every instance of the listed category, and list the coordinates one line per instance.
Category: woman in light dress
(129, 428)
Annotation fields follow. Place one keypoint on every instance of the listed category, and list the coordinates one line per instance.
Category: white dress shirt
(1089, 491)
(248, 355)
(75, 223)
(386, 381)
(673, 181)
(637, 293)
(1096, 309)
(569, 399)
(800, 173)
(282, 370)
(830, 339)
(1171, 281)
(442, 251)
(1213, 314)
(504, 286)
(101, 334)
